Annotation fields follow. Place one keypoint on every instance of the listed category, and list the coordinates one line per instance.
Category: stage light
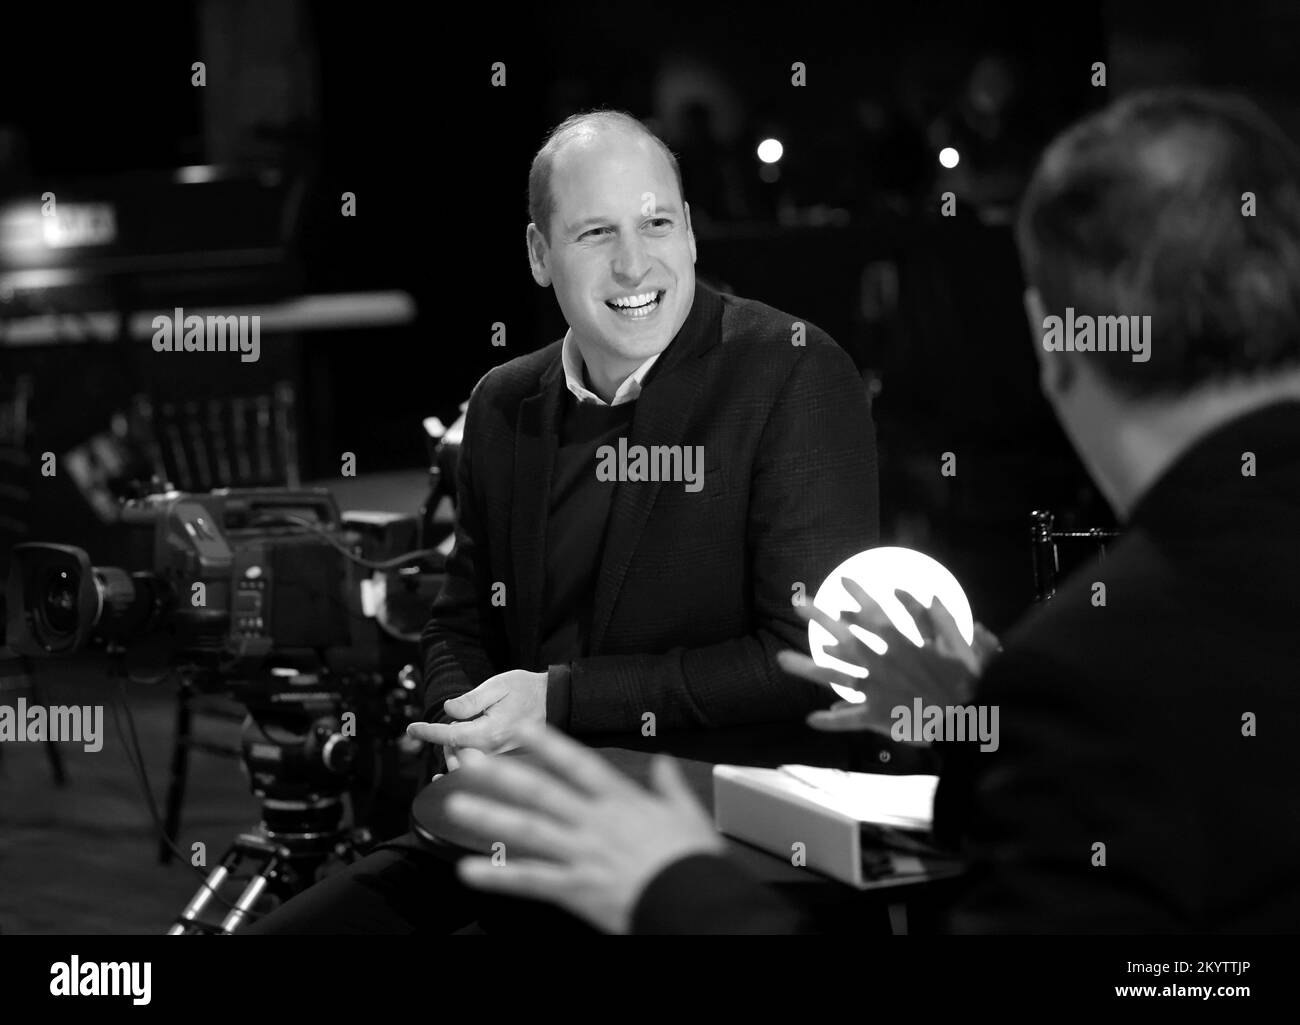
(949, 157)
(878, 571)
(770, 151)
(22, 233)
(196, 174)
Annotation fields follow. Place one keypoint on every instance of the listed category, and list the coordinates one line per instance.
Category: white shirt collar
(571, 357)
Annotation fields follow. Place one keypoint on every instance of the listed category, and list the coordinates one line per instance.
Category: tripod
(287, 849)
(301, 762)
(301, 750)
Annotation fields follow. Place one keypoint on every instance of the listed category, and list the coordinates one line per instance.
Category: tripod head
(310, 748)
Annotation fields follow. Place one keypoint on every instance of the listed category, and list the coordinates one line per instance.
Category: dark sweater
(575, 528)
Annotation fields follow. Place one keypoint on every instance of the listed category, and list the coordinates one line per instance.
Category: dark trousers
(402, 888)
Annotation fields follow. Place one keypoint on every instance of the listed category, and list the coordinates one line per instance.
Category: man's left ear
(690, 232)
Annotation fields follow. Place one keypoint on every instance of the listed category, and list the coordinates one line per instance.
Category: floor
(82, 858)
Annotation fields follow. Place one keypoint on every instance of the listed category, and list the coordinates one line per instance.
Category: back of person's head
(1179, 205)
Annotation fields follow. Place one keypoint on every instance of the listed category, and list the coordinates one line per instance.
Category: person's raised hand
(575, 831)
(940, 671)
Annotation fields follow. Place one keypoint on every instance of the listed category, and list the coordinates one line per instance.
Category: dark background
(394, 103)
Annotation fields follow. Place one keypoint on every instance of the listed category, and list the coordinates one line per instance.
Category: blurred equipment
(443, 444)
(95, 261)
(16, 674)
(147, 240)
(16, 468)
(253, 594)
(241, 441)
(1043, 538)
(234, 577)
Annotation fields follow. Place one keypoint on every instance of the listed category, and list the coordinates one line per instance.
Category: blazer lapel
(536, 439)
(663, 411)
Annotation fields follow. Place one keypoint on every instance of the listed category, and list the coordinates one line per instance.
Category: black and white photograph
(713, 475)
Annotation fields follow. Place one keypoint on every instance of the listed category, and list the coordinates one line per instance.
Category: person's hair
(1140, 209)
(541, 201)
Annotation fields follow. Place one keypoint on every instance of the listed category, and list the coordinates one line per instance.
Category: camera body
(253, 594)
(230, 579)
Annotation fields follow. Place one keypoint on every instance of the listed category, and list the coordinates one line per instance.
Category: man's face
(621, 254)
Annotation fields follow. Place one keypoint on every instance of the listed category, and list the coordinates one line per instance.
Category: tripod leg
(52, 751)
(252, 893)
(189, 917)
(180, 770)
(56, 763)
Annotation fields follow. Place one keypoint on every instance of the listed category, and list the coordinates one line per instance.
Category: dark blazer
(1123, 724)
(694, 591)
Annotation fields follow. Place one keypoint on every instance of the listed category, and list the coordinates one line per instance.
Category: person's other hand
(497, 706)
(577, 832)
(941, 671)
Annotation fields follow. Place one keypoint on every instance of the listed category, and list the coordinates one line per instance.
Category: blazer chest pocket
(697, 483)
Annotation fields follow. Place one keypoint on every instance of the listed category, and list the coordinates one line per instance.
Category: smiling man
(1144, 781)
(612, 235)
(620, 605)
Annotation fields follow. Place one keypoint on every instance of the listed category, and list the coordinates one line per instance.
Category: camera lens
(59, 606)
(53, 601)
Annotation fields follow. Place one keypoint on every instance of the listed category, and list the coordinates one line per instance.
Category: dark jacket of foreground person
(1162, 725)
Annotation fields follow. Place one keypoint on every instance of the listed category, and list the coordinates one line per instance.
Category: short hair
(541, 201)
(1139, 209)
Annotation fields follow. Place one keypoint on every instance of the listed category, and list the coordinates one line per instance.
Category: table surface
(432, 825)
